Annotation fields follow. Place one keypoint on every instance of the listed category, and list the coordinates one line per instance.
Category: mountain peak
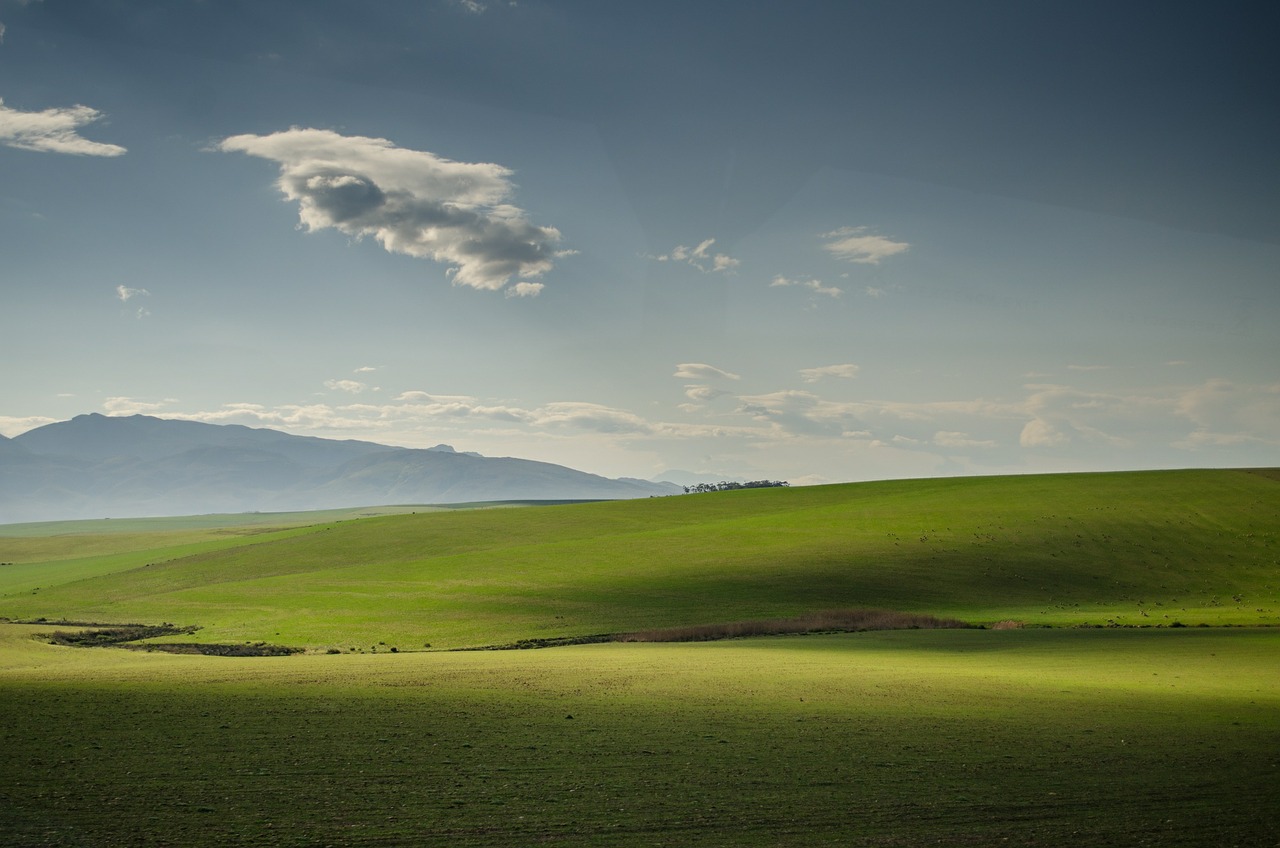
(95, 465)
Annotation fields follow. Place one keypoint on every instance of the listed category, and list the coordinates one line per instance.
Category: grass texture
(1147, 548)
(1083, 736)
(1017, 737)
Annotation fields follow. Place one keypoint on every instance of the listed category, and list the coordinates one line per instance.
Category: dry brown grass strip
(828, 621)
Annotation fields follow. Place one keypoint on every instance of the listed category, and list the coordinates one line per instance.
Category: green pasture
(1149, 548)
(1056, 734)
(978, 737)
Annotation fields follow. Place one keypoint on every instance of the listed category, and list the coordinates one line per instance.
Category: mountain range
(97, 466)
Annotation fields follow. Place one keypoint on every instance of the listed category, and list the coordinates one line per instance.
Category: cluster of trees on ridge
(726, 486)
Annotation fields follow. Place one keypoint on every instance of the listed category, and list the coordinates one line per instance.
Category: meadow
(1098, 723)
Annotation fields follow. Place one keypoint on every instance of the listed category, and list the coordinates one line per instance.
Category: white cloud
(703, 393)
(855, 245)
(353, 386)
(952, 439)
(427, 397)
(131, 406)
(702, 371)
(1038, 433)
(11, 426)
(411, 201)
(125, 293)
(1224, 413)
(589, 416)
(813, 285)
(365, 369)
(1, 33)
(525, 290)
(873, 291)
(1088, 367)
(813, 375)
(700, 257)
(53, 131)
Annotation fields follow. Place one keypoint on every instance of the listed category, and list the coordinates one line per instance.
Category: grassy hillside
(1184, 547)
(1088, 737)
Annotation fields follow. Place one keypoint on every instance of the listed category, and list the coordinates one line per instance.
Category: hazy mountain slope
(100, 437)
(417, 476)
(96, 466)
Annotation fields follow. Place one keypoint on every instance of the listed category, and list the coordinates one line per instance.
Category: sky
(814, 242)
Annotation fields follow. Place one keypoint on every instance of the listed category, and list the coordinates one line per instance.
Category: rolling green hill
(1141, 548)
(1066, 736)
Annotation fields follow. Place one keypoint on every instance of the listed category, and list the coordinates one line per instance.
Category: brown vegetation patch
(256, 649)
(829, 621)
(114, 635)
(124, 635)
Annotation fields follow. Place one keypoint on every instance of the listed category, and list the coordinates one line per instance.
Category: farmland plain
(1113, 735)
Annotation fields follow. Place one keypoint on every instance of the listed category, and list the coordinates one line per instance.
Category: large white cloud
(53, 131)
(857, 245)
(412, 202)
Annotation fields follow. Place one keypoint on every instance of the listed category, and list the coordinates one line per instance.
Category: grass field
(1031, 737)
(1145, 548)
(1038, 736)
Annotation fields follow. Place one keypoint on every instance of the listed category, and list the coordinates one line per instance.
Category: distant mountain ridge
(95, 466)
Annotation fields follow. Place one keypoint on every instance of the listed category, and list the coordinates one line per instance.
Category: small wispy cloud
(702, 371)
(1, 33)
(126, 294)
(1088, 367)
(812, 375)
(412, 202)
(954, 439)
(700, 257)
(133, 406)
(353, 386)
(815, 286)
(53, 131)
(525, 290)
(703, 393)
(365, 369)
(857, 244)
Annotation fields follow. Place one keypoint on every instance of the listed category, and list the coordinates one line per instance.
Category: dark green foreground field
(1133, 732)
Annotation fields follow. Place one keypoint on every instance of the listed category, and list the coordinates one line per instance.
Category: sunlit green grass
(1063, 736)
(1137, 548)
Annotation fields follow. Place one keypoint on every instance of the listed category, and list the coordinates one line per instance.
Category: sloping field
(1183, 547)
(1163, 736)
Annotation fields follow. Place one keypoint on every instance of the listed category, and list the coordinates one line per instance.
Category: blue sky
(814, 242)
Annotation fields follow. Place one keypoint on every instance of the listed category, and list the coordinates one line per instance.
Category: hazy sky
(802, 241)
